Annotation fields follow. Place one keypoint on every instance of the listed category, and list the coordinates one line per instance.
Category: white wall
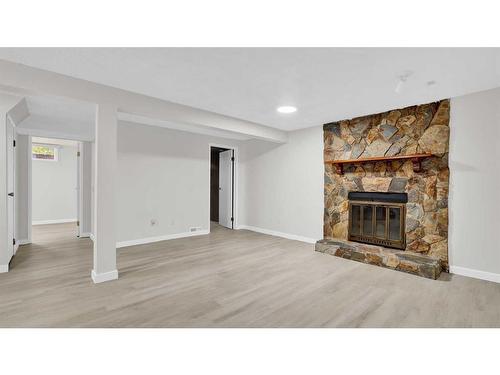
(86, 170)
(54, 194)
(283, 186)
(162, 175)
(23, 191)
(474, 199)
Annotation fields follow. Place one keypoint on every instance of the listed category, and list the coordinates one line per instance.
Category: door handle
(10, 194)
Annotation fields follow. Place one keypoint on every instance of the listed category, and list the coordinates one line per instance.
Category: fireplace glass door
(378, 223)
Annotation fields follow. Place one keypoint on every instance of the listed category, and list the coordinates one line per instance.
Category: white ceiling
(326, 84)
(62, 108)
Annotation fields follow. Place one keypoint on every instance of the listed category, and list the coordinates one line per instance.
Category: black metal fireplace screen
(378, 218)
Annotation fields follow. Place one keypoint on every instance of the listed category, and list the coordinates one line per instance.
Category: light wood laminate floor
(228, 279)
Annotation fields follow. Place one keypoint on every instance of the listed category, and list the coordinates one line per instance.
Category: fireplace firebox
(378, 218)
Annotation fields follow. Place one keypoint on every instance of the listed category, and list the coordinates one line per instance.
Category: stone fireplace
(386, 189)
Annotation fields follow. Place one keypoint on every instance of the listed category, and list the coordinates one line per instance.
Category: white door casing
(10, 187)
(78, 189)
(226, 188)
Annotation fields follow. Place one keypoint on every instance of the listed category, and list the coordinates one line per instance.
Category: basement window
(44, 152)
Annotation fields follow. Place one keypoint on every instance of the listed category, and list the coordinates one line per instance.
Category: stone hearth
(422, 129)
(398, 260)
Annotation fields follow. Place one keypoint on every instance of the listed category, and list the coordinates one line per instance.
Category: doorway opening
(222, 190)
(55, 189)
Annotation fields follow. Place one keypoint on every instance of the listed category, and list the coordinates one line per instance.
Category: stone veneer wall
(411, 130)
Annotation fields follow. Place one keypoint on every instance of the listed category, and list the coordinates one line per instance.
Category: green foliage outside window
(43, 152)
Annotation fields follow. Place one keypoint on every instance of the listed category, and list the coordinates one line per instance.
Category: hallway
(54, 248)
(53, 233)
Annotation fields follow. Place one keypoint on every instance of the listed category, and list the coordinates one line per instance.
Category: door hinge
(78, 223)
(14, 143)
(232, 158)
(14, 241)
(232, 219)
(78, 153)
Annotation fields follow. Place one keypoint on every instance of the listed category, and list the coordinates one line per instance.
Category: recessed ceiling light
(287, 109)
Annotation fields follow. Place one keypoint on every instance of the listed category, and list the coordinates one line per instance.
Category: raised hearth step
(420, 265)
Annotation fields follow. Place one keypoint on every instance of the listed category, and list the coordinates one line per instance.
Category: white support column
(104, 204)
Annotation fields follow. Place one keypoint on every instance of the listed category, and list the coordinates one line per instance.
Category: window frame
(54, 147)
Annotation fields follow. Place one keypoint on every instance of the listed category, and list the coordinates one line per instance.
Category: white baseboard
(58, 221)
(4, 268)
(102, 277)
(278, 234)
(91, 236)
(143, 241)
(20, 243)
(476, 274)
(86, 235)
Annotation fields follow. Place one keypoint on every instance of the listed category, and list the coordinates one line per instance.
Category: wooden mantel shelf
(415, 159)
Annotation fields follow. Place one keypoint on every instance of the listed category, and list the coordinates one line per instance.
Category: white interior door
(226, 188)
(10, 187)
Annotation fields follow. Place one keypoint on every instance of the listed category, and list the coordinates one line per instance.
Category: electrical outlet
(194, 229)
(153, 222)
